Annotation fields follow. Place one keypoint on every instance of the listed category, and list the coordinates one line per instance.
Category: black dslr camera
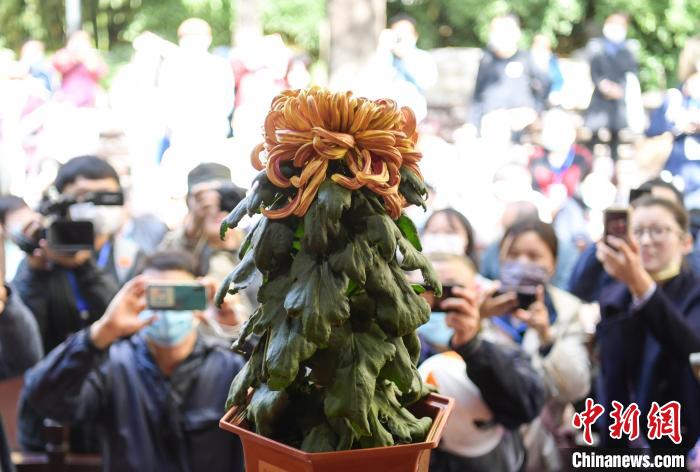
(61, 233)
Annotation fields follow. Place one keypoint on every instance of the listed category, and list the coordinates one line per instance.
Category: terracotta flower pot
(265, 455)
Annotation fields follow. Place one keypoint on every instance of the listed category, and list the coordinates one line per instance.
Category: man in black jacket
(154, 387)
(64, 292)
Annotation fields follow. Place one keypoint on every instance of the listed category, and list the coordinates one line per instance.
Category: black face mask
(25, 243)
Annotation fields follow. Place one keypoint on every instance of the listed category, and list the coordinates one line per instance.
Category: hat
(207, 172)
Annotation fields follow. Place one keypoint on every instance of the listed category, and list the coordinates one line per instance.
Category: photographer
(210, 196)
(120, 240)
(650, 320)
(495, 387)
(153, 385)
(588, 277)
(544, 321)
(20, 344)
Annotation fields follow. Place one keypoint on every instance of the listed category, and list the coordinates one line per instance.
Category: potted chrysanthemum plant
(332, 381)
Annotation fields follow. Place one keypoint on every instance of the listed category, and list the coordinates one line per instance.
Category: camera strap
(80, 302)
(103, 255)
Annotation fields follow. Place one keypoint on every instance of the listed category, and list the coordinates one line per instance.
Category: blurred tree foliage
(660, 26)
(114, 23)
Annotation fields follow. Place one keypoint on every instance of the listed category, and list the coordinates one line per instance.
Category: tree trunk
(354, 30)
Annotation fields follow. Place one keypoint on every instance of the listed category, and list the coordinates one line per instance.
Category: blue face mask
(170, 327)
(435, 331)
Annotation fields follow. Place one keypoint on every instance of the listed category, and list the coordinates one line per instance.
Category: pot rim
(443, 404)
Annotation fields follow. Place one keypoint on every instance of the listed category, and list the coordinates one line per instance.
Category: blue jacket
(146, 421)
(644, 352)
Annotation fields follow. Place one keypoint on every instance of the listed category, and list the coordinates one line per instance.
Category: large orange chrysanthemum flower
(307, 129)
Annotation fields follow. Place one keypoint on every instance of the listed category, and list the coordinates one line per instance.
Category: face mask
(107, 219)
(170, 327)
(435, 331)
(523, 274)
(444, 243)
(615, 33)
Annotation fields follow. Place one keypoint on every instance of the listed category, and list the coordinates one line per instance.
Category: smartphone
(695, 364)
(70, 236)
(436, 301)
(526, 295)
(636, 193)
(616, 222)
(176, 296)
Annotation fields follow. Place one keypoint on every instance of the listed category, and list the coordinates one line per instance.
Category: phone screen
(163, 296)
(71, 236)
(617, 223)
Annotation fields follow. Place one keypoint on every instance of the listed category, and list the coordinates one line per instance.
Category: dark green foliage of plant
(335, 367)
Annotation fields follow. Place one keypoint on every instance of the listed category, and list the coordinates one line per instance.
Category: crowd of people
(546, 308)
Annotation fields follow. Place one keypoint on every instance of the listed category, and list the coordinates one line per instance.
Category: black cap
(207, 172)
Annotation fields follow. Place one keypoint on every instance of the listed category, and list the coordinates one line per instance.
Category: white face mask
(107, 219)
(443, 242)
(614, 32)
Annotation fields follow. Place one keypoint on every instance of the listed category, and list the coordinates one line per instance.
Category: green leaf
(379, 436)
(246, 378)
(352, 260)
(233, 218)
(247, 329)
(401, 370)
(412, 343)
(360, 209)
(418, 288)
(412, 188)
(409, 231)
(321, 438)
(271, 295)
(415, 260)
(399, 310)
(265, 191)
(240, 277)
(346, 435)
(247, 242)
(286, 350)
(361, 358)
(397, 419)
(266, 408)
(273, 245)
(382, 232)
(298, 235)
(322, 220)
(317, 295)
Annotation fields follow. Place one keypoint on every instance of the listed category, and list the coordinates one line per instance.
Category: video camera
(61, 233)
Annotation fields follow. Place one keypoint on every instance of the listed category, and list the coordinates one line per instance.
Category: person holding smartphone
(496, 389)
(525, 310)
(147, 378)
(650, 320)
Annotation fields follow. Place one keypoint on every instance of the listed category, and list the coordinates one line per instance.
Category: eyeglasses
(656, 233)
